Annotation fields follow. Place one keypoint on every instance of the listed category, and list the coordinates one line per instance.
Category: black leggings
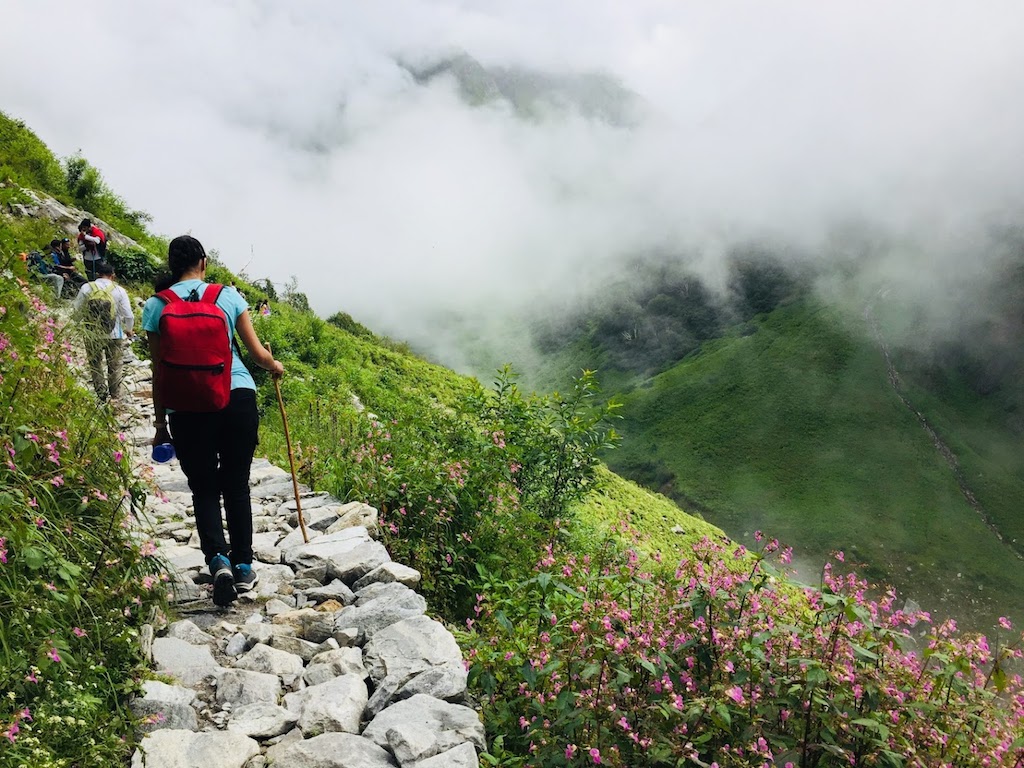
(215, 451)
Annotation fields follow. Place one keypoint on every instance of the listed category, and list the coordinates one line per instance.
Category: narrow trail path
(330, 662)
(941, 447)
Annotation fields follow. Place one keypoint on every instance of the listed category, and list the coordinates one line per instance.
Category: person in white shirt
(103, 345)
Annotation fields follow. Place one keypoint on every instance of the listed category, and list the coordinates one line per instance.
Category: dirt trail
(944, 450)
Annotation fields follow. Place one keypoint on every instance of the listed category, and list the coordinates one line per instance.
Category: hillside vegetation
(602, 625)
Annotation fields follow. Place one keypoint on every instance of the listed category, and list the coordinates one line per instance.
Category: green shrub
(135, 267)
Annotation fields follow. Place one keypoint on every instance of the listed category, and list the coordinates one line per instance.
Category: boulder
(166, 706)
(356, 514)
(185, 749)
(335, 663)
(330, 750)
(412, 646)
(389, 606)
(462, 756)
(322, 548)
(273, 661)
(304, 649)
(422, 726)
(336, 590)
(307, 623)
(262, 721)
(336, 705)
(189, 632)
(241, 686)
(389, 572)
(188, 664)
(352, 565)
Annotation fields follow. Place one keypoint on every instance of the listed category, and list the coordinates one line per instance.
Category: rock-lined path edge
(330, 662)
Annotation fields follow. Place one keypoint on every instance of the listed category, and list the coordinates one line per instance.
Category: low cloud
(298, 140)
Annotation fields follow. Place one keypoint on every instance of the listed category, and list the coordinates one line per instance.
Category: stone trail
(330, 662)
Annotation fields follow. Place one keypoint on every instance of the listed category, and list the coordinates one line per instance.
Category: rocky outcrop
(331, 662)
(38, 205)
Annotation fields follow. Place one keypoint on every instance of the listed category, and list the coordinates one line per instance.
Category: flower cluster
(727, 662)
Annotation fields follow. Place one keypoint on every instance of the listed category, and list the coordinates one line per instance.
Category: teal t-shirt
(230, 300)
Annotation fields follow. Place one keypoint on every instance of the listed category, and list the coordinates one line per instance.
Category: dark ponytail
(184, 253)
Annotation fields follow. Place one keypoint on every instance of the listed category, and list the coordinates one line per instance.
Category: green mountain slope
(796, 430)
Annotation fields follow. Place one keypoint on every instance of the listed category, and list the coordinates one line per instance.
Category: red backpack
(195, 352)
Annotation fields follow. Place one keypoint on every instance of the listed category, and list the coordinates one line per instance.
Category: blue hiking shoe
(223, 581)
(245, 577)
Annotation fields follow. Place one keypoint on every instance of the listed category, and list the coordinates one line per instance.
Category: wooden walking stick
(291, 459)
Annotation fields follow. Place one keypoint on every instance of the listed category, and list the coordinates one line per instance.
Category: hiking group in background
(106, 319)
(204, 402)
(54, 265)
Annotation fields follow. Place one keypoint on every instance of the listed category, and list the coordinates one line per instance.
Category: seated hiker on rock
(205, 394)
(65, 268)
(105, 313)
(40, 267)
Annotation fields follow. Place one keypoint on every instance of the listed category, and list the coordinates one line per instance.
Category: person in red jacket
(93, 242)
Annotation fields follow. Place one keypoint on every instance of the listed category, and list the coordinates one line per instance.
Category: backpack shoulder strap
(169, 296)
(212, 293)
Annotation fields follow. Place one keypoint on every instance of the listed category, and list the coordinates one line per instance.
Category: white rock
(189, 632)
(263, 658)
(187, 663)
(336, 705)
(422, 726)
(330, 750)
(262, 721)
(242, 686)
(185, 749)
(334, 663)
(389, 572)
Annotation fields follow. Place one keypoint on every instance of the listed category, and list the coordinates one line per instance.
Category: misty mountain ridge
(535, 94)
(528, 94)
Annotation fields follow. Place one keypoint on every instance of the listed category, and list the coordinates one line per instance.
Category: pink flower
(3, 550)
(118, 456)
(840, 556)
(595, 755)
(40, 522)
(57, 480)
(1003, 621)
(735, 693)
(570, 751)
(54, 656)
(79, 632)
(32, 502)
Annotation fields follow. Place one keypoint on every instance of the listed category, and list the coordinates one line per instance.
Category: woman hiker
(215, 448)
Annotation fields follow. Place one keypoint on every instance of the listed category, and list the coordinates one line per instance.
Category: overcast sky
(764, 120)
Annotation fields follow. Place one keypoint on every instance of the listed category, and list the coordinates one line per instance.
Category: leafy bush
(486, 479)
(722, 663)
(74, 586)
(136, 267)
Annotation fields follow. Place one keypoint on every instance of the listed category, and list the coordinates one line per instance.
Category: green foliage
(74, 586)
(27, 161)
(135, 267)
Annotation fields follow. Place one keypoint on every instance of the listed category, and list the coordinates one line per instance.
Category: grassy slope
(794, 430)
